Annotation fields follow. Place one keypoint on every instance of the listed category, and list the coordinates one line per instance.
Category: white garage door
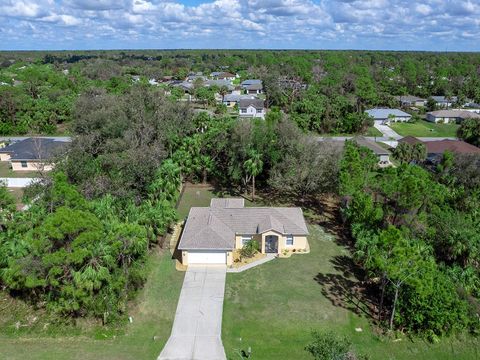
(207, 257)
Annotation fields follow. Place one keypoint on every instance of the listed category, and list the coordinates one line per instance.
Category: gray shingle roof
(215, 227)
(256, 103)
(462, 114)
(34, 149)
(251, 82)
(377, 149)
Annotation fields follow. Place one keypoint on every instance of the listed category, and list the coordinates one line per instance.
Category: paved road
(19, 138)
(197, 328)
(18, 182)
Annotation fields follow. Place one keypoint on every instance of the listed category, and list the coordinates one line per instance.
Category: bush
(249, 249)
(328, 346)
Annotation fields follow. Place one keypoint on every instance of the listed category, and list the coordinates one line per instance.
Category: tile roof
(455, 146)
(215, 227)
(34, 149)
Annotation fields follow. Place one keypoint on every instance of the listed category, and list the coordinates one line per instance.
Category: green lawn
(373, 131)
(152, 313)
(272, 309)
(424, 128)
(5, 171)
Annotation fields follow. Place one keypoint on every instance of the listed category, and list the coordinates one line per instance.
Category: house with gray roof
(33, 154)
(253, 86)
(444, 102)
(211, 234)
(252, 108)
(385, 115)
(230, 100)
(381, 153)
(450, 116)
(410, 100)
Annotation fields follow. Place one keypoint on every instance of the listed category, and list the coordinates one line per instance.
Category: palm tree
(253, 167)
(223, 91)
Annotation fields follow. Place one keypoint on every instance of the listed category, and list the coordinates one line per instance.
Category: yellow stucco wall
(31, 166)
(299, 242)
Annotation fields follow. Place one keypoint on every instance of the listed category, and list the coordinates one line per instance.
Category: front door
(271, 244)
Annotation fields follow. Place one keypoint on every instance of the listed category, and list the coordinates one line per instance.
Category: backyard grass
(152, 314)
(5, 171)
(273, 308)
(373, 131)
(425, 128)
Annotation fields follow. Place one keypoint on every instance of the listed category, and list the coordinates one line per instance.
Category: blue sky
(438, 25)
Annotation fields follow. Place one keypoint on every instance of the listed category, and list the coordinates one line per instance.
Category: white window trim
(245, 239)
(287, 238)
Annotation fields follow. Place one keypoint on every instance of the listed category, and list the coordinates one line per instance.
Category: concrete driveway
(197, 328)
(387, 131)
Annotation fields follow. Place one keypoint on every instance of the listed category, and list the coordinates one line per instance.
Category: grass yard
(425, 128)
(152, 313)
(5, 171)
(373, 131)
(272, 309)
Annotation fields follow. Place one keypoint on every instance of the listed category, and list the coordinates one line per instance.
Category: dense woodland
(79, 249)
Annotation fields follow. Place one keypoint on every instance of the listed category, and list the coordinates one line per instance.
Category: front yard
(273, 308)
(5, 172)
(423, 128)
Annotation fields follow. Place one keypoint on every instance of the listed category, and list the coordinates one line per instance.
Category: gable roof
(377, 149)
(34, 149)
(380, 113)
(215, 227)
(256, 103)
(251, 82)
(455, 146)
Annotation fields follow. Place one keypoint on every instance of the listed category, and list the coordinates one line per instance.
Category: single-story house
(192, 77)
(231, 100)
(411, 140)
(211, 234)
(184, 85)
(435, 149)
(251, 108)
(32, 154)
(252, 86)
(222, 75)
(410, 100)
(444, 102)
(450, 116)
(385, 116)
(382, 154)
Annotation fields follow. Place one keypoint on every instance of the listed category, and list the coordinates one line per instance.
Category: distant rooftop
(381, 113)
(34, 149)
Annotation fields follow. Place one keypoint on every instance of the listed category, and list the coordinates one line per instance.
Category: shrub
(328, 346)
(249, 249)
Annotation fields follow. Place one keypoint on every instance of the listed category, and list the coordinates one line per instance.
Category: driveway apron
(197, 328)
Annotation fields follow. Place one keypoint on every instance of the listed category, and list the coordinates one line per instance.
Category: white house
(450, 116)
(385, 116)
(251, 108)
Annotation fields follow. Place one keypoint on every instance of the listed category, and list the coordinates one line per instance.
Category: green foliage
(469, 131)
(329, 346)
(250, 249)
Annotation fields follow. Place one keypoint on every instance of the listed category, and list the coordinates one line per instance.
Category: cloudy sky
(442, 25)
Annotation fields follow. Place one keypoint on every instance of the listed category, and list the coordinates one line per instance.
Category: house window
(289, 240)
(24, 164)
(244, 111)
(246, 239)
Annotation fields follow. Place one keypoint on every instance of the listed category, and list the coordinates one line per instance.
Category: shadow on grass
(347, 289)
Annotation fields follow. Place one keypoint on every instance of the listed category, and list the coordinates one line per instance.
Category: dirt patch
(239, 262)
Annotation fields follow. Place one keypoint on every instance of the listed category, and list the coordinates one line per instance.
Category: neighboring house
(444, 102)
(211, 234)
(385, 116)
(450, 116)
(32, 154)
(409, 100)
(231, 100)
(184, 85)
(382, 154)
(435, 149)
(411, 140)
(192, 77)
(253, 86)
(251, 108)
(222, 75)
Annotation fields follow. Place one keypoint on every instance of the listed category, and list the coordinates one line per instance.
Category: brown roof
(455, 146)
(412, 140)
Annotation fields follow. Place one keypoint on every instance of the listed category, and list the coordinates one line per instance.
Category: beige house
(32, 154)
(213, 233)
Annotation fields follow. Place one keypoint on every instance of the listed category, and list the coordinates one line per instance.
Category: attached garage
(207, 257)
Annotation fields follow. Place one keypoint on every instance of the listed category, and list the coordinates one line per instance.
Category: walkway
(267, 258)
(197, 328)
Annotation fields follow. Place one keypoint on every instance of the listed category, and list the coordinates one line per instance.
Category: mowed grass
(153, 313)
(273, 308)
(425, 128)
